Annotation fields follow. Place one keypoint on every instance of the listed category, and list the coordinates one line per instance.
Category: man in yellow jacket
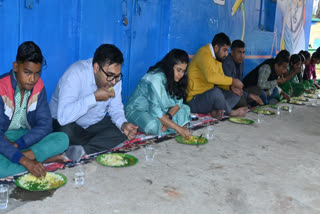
(209, 89)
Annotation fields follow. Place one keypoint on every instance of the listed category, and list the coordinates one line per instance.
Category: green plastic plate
(37, 186)
(196, 142)
(131, 160)
(240, 120)
(297, 102)
(266, 112)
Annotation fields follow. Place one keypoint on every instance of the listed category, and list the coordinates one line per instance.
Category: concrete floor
(271, 167)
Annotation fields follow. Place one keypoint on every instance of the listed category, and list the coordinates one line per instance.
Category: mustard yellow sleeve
(225, 87)
(212, 70)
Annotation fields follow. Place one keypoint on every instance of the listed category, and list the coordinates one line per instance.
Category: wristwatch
(170, 116)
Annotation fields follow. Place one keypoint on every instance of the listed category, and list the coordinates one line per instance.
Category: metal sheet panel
(54, 26)
(9, 34)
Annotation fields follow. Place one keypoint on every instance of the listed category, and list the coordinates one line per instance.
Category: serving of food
(240, 120)
(300, 99)
(50, 181)
(297, 102)
(193, 140)
(262, 111)
(309, 96)
(285, 108)
(116, 160)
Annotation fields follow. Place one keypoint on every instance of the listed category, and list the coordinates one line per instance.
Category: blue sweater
(38, 116)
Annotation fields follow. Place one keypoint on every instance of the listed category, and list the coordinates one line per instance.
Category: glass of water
(279, 109)
(79, 175)
(209, 132)
(149, 151)
(314, 102)
(3, 196)
(260, 117)
(290, 108)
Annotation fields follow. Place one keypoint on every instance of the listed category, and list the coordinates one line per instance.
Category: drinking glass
(3, 196)
(79, 175)
(260, 117)
(209, 132)
(149, 151)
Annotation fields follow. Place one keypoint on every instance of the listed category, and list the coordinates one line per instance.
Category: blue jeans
(266, 99)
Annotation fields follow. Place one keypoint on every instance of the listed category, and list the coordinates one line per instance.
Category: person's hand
(184, 132)
(129, 130)
(237, 91)
(164, 128)
(256, 98)
(103, 93)
(286, 96)
(237, 83)
(281, 81)
(34, 167)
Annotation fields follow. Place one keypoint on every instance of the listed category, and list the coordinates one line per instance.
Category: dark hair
(294, 59)
(306, 54)
(107, 54)
(315, 55)
(220, 39)
(237, 44)
(282, 57)
(301, 57)
(175, 56)
(29, 51)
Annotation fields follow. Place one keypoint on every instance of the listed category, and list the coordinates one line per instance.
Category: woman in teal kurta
(156, 105)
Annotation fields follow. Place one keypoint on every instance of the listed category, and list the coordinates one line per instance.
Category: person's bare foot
(57, 158)
(218, 114)
(239, 112)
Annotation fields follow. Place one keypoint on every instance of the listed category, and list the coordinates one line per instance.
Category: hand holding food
(104, 93)
(184, 132)
(34, 167)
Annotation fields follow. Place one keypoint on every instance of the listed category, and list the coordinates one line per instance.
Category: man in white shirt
(85, 94)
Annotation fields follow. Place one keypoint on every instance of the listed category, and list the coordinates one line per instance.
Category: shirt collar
(212, 51)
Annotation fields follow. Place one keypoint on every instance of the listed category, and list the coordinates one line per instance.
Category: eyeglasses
(111, 77)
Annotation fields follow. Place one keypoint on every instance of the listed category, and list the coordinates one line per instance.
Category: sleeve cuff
(230, 80)
(120, 122)
(21, 144)
(90, 100)
(16, 157)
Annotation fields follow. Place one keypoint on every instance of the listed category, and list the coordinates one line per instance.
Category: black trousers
(101, 136)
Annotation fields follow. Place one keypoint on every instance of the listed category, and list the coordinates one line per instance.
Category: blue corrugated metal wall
(67, 31)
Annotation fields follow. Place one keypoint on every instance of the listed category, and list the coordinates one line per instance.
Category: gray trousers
(101, 136)
(244, 100)
(214, 99)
